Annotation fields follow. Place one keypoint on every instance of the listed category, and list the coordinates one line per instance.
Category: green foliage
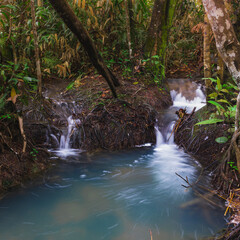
(34, 153)
(210, 121)
(232, 165)
(70, 86)
(15, 76)
(221, 139)
(154, 66)
(223, 98)
(8, 116)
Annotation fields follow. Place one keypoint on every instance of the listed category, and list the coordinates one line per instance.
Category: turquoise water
(120, 195)
(125, 195)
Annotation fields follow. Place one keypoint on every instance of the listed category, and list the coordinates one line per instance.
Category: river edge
(199, 142)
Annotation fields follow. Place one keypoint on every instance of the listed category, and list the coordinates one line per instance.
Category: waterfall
(73, 124)
(65, 145)
(179, 100)
(164, 133)
(159, 137)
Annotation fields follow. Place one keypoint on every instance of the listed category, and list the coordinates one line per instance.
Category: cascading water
(65, 149)
(116, 195)
(194, 97)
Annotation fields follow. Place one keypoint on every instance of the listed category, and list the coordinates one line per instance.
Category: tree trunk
(207, 56)
(225, 37)
(128, 27)
(229, 48)
(163, 32)
(74, 24)
(220, 68)
(132, 23)
(153, 28)
(36, 48)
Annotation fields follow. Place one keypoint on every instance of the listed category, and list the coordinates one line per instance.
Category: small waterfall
(159, 137)
(181, 101)
(66, 139)
(196, 98)
(72, 126)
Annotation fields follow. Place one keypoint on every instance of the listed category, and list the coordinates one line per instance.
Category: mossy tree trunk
(158, 9)
(70, 19)
(158, 32)
(163, 33)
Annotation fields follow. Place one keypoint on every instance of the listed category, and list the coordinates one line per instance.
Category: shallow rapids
(125, 195)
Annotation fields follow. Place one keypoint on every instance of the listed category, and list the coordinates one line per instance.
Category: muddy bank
(16, 166)
(102, 122)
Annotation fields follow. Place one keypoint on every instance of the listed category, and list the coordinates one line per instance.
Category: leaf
(83, 4)
(212, 79)
(213, 95)
(224, 90)
(209, 121)
(30, 79)
(219, 85)
(13, 95)
(216, 104)
(223, 101)
(91, 10)
(135, 83)
(70, 85)
(233, 86)
(221, 139)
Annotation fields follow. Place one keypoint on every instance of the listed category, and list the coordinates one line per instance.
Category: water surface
(125, 195)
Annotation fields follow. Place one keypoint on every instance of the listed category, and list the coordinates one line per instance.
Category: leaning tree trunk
(36, 47)
(229, 48)
(74, 24)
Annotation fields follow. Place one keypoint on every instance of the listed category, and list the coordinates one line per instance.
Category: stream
(122, 195)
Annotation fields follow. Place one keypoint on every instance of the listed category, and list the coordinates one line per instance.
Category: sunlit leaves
(210, 121)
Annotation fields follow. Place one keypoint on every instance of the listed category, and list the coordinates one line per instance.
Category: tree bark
(207, 56)
(152, 34)
(128, 27)
(36, 48)
(229, 48)
(74, 24)
(163, 32)
(132, 23)
(220, 68)
(225, 37)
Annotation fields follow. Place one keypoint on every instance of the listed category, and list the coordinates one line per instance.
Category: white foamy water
(181, 101)
(65, 149)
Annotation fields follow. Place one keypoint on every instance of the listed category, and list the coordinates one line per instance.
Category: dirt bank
(200, 142)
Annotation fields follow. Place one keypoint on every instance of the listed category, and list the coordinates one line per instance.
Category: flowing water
(124, 195)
